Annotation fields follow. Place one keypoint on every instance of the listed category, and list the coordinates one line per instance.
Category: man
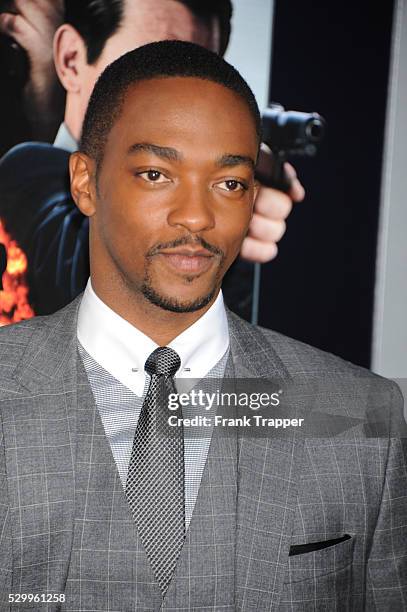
(103, 503)
(38, 209)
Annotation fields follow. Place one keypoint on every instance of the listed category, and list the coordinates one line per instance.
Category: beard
(174, 304)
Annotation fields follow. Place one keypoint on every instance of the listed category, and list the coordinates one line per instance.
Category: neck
(73, 115)
(161, 325)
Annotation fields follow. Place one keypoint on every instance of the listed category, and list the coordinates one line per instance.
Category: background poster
(339, 279)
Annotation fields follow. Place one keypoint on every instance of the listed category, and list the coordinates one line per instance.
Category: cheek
(235, 225)
(130, 227)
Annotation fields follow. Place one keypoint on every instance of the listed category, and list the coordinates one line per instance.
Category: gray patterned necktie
(155, 480)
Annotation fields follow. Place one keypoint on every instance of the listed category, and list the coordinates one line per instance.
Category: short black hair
(169, 58)
(97, 20)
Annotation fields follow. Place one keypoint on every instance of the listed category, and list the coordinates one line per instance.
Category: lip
(188, 252)
(188, 261)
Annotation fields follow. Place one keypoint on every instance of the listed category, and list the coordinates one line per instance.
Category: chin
(174, 303)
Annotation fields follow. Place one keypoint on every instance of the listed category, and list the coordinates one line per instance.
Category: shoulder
(302, 358)
(23, 342)
(341, 389)
(297, 357)
(32, 165)
(31, 156)
(33, 178)
(304, 362)
(14, 340)
(32, 170)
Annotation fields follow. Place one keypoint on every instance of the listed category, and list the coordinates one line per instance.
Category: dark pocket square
(300, 549)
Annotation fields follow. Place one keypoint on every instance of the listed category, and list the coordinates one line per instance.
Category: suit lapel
(266, 482)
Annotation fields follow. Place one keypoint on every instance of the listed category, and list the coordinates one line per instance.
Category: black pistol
(287, 134)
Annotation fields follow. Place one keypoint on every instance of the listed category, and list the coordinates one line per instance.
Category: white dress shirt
(122, 349)
(65, 140)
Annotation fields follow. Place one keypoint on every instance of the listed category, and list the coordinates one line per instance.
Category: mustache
(185, 241)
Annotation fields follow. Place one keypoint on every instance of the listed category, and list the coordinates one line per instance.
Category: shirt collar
(65, 140)
(122, 349)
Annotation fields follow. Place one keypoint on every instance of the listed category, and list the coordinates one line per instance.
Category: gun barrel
(292, 131)
(314, 129)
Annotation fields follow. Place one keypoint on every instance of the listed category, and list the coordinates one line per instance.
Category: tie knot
(163, 361)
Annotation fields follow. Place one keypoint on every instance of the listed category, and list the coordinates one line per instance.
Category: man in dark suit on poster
(35, 202)
(104, 506)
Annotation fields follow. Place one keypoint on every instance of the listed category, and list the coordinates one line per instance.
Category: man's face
(174, 192)
(144, 22)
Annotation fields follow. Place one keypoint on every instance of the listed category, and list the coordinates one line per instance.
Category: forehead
(145, 21)
(190, 110)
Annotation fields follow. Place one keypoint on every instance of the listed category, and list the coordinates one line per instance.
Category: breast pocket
(320, 580)
(324, 560)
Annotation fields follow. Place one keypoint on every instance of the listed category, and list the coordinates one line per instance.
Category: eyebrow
(167, 153)
(227, 160)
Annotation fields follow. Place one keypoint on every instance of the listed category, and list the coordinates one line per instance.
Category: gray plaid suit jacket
(291, 490)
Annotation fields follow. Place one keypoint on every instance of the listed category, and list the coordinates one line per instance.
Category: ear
(70, 56)
(82, 170)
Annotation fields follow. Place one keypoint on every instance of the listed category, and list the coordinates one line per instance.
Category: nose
(193, 209)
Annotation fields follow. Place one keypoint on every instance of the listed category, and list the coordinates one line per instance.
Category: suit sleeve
(387, 561)
(5, 531)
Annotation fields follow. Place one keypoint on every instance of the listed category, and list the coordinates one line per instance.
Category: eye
(232, 185)
(153, 176)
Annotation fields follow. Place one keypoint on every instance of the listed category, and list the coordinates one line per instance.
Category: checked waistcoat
(109, 569)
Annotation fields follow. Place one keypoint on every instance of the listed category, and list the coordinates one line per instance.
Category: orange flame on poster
(14, 304)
